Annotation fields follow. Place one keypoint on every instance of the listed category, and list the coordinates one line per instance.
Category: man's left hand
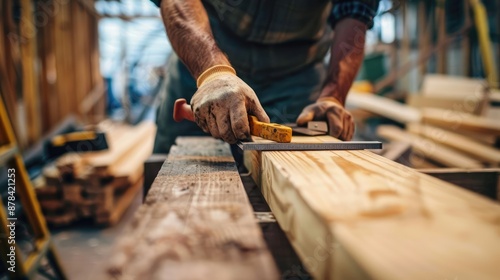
(340, 121)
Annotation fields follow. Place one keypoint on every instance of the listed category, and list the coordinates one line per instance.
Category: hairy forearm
(189, 32)
(347, 54)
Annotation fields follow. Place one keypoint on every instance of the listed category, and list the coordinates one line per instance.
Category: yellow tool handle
(270, 131)
(74, 136)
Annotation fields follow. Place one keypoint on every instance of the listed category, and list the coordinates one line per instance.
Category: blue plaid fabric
(364, 11)
(266, 40)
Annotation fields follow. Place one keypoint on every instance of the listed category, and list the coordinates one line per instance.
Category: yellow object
(19, 186)
(270, 131)
(363, 86)
(481, 20)
(213, 72)
(60, 140)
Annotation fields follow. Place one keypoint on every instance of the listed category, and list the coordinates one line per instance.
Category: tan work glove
(340, 121)
(222, 103)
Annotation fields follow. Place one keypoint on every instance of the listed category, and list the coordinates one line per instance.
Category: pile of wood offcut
(451, 122)
(97, 185)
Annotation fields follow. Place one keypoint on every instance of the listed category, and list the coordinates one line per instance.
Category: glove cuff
(330, 98)
(214, 71)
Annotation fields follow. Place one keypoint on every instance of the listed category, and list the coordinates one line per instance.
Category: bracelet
(214, 70)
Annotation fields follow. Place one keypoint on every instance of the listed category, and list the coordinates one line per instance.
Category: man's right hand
(221, 106)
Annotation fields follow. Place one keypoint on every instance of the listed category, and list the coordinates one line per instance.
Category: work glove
(340, 121)
(222, 103)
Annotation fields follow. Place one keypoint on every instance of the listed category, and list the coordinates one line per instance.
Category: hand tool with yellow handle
(77, 141)
(270, 131)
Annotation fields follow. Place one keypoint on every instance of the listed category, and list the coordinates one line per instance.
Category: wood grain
(196, 222)
(357, 215)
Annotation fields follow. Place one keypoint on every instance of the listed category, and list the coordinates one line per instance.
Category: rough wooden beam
(196, 222)
(357, 215)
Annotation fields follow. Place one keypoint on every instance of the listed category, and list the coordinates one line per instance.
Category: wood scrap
(428, 148)
(362, 216)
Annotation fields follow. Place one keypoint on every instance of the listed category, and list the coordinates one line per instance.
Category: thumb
(259, 112)
(306, 116)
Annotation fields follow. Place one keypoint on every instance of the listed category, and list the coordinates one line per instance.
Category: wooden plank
(119, 149)
(7, 89)
(453, 87)
(196, 222)
(63, 35)
(30, 82)
(460, 121)
(440, 13)
(120, 206)
(357, 215)
(465, 45)
(424, 31)
(458, 142)
(419, 101)
(81, 61)
(402, 113)
(130, 167)
(428, 148)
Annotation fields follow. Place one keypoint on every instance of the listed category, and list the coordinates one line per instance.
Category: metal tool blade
(348, 145)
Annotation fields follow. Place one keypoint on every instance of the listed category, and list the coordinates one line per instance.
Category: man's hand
(340, 121)
(221, 107)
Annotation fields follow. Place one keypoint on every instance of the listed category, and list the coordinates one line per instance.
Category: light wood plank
(419, 101)
(357, 215)
(428, 148)
(29, 76)
(383, 106)
(460, 121)
(457, 141)
(119, 149)
(196, 222)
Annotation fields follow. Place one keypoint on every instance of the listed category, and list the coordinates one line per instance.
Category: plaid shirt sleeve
(156, 2)
(363, 10)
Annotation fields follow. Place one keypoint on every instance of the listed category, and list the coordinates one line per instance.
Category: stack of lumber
(447, 123)
(97, 185)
